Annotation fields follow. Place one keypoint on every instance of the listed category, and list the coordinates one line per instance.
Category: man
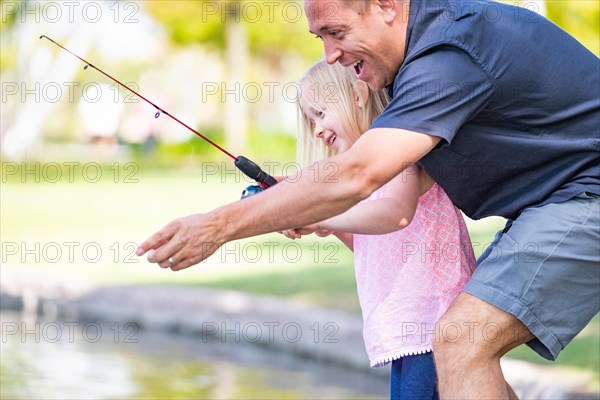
(501, 108)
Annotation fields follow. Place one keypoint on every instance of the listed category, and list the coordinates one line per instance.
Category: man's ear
(361, 94)
(389, 10)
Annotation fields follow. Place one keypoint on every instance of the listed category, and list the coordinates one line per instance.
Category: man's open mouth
(358, 67)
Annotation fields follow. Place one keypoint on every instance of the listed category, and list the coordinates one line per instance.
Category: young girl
(412, 252)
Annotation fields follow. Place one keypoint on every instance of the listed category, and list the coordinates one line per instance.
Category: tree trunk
(237, 58)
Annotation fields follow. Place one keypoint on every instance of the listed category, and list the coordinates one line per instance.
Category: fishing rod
(247, 166)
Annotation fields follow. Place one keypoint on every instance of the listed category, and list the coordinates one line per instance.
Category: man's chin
(375, 86)
(373, 83)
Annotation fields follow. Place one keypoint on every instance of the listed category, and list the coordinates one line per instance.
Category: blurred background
(88, 172)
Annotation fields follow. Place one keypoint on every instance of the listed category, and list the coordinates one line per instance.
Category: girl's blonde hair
(334, 87)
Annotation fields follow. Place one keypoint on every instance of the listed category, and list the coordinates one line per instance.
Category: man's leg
(474, 336)
(537, 283)
(511, 393)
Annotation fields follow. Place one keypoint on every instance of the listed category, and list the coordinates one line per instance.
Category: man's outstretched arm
(323, 190)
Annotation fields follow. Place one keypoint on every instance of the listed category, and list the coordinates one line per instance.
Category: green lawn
(583, 352)
(89, 229)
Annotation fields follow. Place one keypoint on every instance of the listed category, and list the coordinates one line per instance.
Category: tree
(579, 18)
(238, 29)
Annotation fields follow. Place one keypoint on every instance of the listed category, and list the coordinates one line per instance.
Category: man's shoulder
(470, 25)
(505, 41)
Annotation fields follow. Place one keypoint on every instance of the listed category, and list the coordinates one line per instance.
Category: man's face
(364, 42)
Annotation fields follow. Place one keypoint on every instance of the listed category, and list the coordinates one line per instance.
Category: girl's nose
(318, 132)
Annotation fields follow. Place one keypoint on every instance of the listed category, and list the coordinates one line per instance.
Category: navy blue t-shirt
(515, 99)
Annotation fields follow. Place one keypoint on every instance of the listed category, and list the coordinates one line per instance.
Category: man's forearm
(334, 186)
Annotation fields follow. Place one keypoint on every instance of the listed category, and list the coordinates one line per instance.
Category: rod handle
(253, 171)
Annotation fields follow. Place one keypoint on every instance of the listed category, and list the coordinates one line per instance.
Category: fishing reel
(253, 171)
(252, 190)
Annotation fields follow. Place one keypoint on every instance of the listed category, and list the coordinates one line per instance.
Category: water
(42, 359)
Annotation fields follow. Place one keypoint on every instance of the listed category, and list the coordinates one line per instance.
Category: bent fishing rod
(247, 166)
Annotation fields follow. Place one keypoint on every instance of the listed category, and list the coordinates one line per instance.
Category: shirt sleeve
(436, 93)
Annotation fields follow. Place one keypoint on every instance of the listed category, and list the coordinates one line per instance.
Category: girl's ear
(361, 94)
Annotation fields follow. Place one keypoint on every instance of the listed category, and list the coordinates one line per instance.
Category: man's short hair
(360, 6)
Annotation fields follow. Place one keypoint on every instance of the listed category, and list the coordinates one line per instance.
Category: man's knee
(472, 329)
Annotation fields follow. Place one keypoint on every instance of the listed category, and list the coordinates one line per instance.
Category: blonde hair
(335, 87)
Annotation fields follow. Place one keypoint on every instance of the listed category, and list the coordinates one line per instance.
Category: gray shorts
(544, 268)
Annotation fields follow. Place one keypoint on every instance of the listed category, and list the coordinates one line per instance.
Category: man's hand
(181, 243)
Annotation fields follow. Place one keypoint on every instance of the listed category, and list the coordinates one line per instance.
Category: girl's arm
(387, 214)
(346, 238)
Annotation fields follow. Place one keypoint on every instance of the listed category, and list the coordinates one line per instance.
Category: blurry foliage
(272, 147)
(273, 27)
(7, 20)
(8, 17)
(580, 18)
(8, 58)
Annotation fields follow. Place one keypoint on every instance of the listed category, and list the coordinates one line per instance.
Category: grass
(39, 218)
(333, 287)
(582, 352)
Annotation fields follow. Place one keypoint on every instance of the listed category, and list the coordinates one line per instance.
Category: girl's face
(327, 127)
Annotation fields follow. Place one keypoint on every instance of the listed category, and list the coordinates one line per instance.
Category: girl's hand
(297, 233)
(291, 234)
(323, 232)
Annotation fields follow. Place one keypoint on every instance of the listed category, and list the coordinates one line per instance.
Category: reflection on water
(59, 359)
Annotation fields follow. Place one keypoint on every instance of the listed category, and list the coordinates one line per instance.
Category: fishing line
(248, 167)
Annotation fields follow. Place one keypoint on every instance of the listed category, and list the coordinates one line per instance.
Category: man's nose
(332, 52)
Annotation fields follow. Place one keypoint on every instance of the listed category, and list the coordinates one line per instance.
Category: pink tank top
(407, 279)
